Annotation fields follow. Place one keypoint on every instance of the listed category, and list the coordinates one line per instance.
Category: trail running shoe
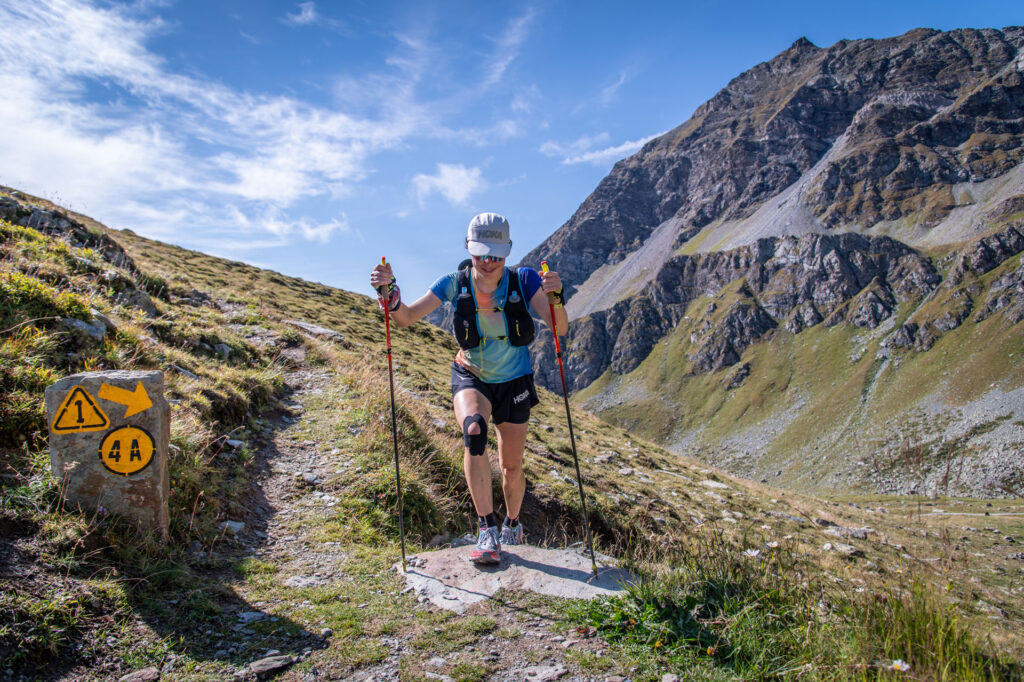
(488, 547)
(511, 536)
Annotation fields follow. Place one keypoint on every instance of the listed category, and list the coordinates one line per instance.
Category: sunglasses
(489, 259)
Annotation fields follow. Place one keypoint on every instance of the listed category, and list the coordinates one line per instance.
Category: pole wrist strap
(390, 297)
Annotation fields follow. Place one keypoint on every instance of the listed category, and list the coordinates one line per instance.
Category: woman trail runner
(492, 375)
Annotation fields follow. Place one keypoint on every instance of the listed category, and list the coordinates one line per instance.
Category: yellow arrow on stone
(136, 401)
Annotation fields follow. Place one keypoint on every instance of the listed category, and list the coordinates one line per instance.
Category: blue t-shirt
(495, 360)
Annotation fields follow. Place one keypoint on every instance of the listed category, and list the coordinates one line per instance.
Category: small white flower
(771, 545)
(753, 553)
(900, 665)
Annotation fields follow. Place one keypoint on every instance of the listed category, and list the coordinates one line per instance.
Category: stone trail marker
(109, 436)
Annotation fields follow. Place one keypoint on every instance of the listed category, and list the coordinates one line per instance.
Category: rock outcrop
(794, 282)
(133, 292)
(57, 223)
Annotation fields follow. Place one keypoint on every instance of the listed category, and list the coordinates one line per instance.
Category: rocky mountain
(873, 188)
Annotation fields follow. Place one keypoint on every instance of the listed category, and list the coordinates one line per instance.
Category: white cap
(488, 236)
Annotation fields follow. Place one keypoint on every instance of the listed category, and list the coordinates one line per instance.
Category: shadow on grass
(107, 600)
(198, 612)
(195, 608)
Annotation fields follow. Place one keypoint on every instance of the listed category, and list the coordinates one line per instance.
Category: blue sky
(314, 137)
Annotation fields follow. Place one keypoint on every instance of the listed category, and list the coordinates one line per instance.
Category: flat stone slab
(316, 330)
(448, 579)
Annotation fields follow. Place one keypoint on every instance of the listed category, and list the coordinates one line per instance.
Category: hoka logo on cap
(488, 235)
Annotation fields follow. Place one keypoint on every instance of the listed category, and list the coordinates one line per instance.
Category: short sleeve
(444, 287)
(529, 280)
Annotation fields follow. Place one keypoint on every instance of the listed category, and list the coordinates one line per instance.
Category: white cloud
(507, 48)
(608, 93)
(580, 151)
(275, 222)
(523, 100)
(307, 15)
(578, 146)
(131, 155)
(454, 182)
(502, 131)
(104, 121)
(52, 142)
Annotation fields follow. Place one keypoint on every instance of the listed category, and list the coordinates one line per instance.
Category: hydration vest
(517, 318)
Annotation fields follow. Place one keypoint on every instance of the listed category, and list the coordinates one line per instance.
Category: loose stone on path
(270, 664)
(544, 673)
(301, 581)
(144, 675)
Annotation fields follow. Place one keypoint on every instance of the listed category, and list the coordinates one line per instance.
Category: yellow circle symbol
(127, 450)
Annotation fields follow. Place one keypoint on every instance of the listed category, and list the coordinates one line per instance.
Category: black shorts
(510, 400)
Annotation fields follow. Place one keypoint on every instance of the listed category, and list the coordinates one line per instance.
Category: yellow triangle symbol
(79, 412)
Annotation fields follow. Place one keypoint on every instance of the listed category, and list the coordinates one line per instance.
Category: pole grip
(381, 289)
(551, 305)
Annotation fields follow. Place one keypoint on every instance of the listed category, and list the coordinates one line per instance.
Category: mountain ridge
(746, 148)
(771, 207)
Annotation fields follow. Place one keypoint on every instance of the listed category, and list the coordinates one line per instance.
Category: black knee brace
(477, 442)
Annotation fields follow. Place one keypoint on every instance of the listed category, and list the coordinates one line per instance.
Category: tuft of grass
(454, 633)
(915, 626)
(26, 369)
(470, 671)
(24, 298)
(725, 614)
(37, 625)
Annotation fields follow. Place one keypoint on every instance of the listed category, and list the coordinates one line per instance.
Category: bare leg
(477, 468)
(511, 442)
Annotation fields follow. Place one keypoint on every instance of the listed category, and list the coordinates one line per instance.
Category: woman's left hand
(550, 282)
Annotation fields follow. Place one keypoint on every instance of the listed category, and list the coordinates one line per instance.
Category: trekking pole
(572, 438)
(382, 291)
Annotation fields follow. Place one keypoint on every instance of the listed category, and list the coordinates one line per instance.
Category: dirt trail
(293, 473)
(287, 514)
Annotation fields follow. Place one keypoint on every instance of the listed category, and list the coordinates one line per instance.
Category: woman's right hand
(381, 276)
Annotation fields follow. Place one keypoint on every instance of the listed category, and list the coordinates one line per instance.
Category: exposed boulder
(84, 330)
(728, 334)
(1007, 296)
(986, 254)
(138, 299)
(317, 330)
(737, 378)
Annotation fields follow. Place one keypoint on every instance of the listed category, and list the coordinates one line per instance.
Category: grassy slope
(647, 504)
